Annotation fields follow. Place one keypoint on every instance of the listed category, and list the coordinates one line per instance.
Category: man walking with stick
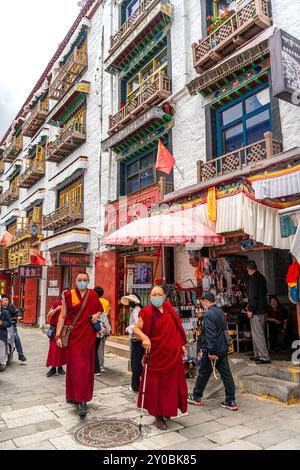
(214, 354)
(163, 381)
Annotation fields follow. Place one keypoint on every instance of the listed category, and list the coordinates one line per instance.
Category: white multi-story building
(195, 74)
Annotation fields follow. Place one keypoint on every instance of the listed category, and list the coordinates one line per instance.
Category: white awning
(70, 236)
(239, 213)
(274, 187)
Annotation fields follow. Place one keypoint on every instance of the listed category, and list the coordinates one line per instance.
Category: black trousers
(137, 353)
(97, 365)
(205, 372)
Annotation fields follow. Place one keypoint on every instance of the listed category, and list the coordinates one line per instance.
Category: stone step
(119, 349)
(289, 374)
(271, 388)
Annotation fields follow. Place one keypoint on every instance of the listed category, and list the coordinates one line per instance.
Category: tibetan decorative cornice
(229, 66)
(125, 41)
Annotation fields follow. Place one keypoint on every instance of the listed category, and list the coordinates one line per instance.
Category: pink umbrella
(165, 229)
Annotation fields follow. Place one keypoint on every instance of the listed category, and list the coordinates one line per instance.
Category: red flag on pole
(165, 160)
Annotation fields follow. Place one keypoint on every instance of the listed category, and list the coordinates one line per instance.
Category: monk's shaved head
(157, 291)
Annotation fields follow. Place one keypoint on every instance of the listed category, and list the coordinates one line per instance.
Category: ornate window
(71, 193)
(244, 122)
(12, 228)
(158, 63)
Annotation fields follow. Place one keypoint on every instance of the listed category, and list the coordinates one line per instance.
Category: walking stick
(144, 388)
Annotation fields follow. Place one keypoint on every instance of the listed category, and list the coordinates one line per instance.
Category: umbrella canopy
(165, 229)
(6, 237)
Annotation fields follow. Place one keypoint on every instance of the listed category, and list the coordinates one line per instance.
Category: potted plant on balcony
(217, 21)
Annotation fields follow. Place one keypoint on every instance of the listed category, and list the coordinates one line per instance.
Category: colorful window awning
(70, 102)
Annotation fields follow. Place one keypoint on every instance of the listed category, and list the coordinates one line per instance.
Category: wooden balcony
(243, 25)
(14, 149)
(65, 215)
(69, 139)
(36, 119)
(9, 196)
(32, 174)
(130, 24)
(151, 17)
(155, 89)
(68, 73)
(239, 159)
(29, 231)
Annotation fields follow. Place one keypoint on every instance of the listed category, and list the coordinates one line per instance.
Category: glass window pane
(147, 72)
(147, 161)
(231, 114)
(133, 5)
(162, 59)
(133, 168)
(147, 178)
(133, 184)
(233, 138)
(258, 100)
(257, 126)
(224, 5)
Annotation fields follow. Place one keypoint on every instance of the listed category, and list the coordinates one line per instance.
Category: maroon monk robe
(81, 347)
(57, 357)
(166, 388)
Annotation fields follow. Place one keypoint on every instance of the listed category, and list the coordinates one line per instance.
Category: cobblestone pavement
(34, 414)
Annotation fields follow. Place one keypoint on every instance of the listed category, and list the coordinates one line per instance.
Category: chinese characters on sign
(74, 259)
(30, 272)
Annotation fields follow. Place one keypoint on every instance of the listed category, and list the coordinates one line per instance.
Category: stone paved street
(34, 414)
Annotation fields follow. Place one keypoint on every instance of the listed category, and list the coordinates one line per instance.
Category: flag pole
(180, 172)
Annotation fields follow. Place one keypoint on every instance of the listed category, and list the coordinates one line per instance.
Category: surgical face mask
(157, 301)
(82, 285)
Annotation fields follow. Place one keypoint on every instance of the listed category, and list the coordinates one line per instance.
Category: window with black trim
(128, 8)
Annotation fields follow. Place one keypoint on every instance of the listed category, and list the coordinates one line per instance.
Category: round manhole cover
(108, 433)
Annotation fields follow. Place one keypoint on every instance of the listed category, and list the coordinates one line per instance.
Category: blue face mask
(82, 285)
(157, 301)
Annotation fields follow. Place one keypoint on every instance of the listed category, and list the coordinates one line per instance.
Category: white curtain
(277, 187)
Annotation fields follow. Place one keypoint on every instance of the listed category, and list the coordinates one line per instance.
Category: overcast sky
(30, 31)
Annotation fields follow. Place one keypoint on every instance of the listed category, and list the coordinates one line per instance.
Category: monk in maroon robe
(160, 330)
(57, 357)
(81, 347)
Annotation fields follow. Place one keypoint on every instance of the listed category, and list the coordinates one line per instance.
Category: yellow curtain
(212, 204)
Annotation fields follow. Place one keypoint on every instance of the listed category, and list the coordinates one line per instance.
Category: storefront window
(243, 122)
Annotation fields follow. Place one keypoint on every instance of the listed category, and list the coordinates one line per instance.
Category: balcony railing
(68, 73)
(69, 139)
(239, 159)
(154, 89)
(13, 150)
(9, 196)
(30, 231)
(36, 119)
(129, 25)
(243, 25)
(65, 215)
(32, 174)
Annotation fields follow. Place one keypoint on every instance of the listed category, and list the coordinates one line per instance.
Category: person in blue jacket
(5, 322)
(214, 347)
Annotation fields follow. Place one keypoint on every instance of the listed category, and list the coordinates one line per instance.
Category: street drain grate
(108, 433)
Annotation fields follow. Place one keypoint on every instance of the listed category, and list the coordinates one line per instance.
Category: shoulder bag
(66, 331)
